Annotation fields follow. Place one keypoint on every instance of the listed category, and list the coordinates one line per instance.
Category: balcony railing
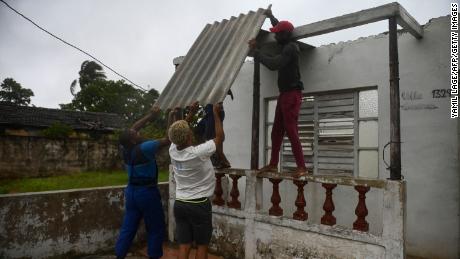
(227, 202)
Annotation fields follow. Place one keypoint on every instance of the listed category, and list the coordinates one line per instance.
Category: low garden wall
(27, 156)
(63, 223)
(33, 156)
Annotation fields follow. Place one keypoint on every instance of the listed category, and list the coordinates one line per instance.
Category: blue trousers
(142, 202)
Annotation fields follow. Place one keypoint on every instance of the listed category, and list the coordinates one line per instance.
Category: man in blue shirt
(142, 197)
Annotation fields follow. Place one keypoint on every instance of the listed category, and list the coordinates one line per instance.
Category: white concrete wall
(250, 233)
(430, 150)
(285, 243)
(237, 125)
(66, 223)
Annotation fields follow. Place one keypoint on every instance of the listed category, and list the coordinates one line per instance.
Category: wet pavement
(170, 252)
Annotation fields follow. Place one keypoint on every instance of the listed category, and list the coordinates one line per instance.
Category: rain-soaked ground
(170, 252)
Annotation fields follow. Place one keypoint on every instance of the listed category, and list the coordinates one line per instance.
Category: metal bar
(369, 119)
(369, 148)
(315, 136)
(265, 129)
(255, 117)
(356, 135)
(395, 126)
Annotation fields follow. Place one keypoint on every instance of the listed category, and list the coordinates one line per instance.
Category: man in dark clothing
(290, 98)
(142, 197)
(205, 129)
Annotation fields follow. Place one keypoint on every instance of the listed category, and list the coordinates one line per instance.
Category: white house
(359, 70)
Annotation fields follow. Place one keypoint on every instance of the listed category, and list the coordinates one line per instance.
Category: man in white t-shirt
(195, 182)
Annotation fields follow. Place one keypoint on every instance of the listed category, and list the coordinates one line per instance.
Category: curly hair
(179, 133)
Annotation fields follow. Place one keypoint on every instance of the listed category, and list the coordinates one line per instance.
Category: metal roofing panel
(213, 61)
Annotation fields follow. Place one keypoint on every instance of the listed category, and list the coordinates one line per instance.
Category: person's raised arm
(153, 114)
(171, 118)
(218, 125)
(273, 62)
(272, 18)
(276, 62)
(192, 111)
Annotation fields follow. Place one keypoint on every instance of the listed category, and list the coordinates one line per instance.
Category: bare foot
(299, 172)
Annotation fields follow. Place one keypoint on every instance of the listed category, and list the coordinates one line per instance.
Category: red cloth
(286, 121)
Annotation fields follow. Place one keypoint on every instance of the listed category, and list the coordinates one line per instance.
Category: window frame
(356, 123)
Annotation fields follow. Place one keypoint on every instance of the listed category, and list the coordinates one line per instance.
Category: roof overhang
(376, 14)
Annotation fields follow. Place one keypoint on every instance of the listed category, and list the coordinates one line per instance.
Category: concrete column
(259, 193)
(172, 198)
(250, 241)
(394, 219)
(225, 188)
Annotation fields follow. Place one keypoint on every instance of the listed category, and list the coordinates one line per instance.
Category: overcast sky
(139, 39)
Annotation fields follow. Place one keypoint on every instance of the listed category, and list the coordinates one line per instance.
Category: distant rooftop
(24, 116)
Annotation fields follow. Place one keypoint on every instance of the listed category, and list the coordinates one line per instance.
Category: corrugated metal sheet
(213, 61)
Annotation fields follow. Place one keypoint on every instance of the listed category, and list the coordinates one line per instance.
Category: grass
(71, 181)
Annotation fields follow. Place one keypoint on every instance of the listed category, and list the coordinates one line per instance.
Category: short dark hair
(126, 139)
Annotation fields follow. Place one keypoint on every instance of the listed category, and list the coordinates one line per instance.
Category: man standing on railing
(290, 98)
(142, 197)
(195, 182)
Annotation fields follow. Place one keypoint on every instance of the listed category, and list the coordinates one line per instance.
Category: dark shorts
(193, 222)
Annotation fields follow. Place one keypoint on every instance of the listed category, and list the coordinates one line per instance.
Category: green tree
(99, 95)
(114, 97)
(12, 91)
(90, 71)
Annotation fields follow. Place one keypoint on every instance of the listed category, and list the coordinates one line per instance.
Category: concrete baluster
(328, 218)
(234, 193)
(361, 210)
(275, 210)
(218, 191)
(300, 202)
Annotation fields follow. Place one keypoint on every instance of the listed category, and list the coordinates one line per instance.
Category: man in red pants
(290, 98)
